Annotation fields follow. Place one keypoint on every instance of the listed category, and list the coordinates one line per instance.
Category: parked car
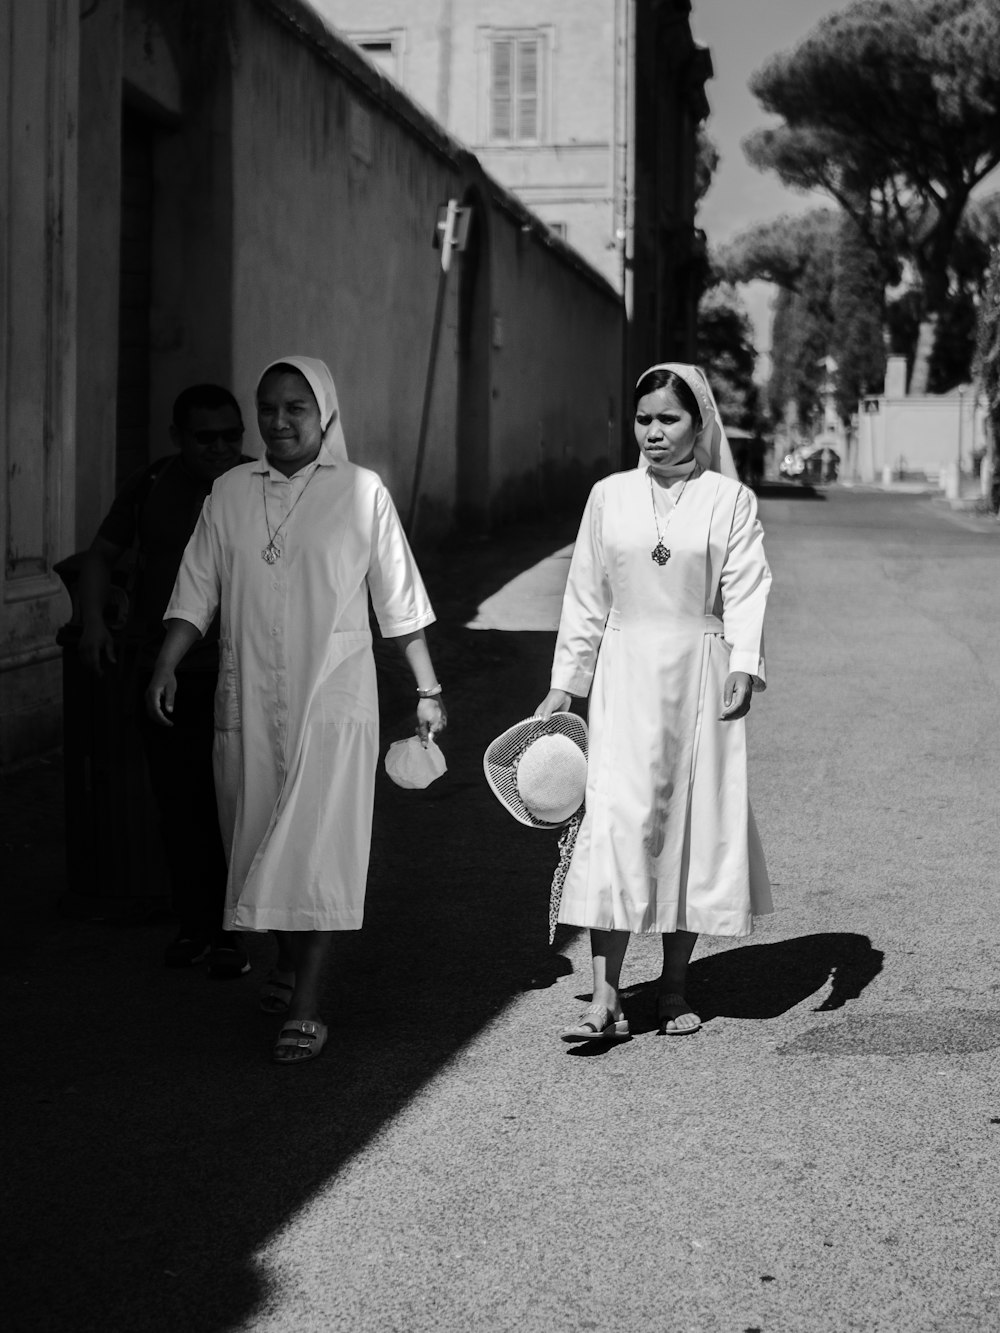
(792, 466)
(812, 463)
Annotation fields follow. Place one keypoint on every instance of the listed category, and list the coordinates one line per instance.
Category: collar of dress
(325, 458)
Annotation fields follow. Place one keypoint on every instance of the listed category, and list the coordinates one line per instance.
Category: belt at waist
(699, 624)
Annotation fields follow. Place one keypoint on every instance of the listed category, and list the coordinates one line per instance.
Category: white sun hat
(537, 769)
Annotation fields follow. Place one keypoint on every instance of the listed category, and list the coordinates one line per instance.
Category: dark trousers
(179, 759)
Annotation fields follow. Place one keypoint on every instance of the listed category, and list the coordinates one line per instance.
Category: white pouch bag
(410, 764)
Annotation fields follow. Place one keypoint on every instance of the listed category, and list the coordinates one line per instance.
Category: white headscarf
(711, 447)
(317, 375)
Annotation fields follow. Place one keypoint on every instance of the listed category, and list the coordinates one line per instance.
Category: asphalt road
(821, 1157)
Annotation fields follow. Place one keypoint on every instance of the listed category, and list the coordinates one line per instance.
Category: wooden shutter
(527, 88)
(501, 88)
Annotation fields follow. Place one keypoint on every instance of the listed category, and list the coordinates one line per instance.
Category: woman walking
(289, 548)
(662, 624)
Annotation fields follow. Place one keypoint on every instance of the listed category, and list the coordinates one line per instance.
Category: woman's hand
(160, 695)
(556, 701)
(736, 695)
(431, 718)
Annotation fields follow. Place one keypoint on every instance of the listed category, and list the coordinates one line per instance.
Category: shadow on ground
(152, 1146)
(788, 490)
(760, 981)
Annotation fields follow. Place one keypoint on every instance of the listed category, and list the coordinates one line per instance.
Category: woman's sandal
(671, 1005)
(597, 1024)
(301, 1039)
(275, 995)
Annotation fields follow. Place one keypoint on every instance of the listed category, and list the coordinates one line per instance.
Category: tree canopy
(726, 346)
(779, 251)
(858, 310)
(892, 107)
(797, 254)
(831, 303)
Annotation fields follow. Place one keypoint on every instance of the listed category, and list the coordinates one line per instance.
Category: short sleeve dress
(668, 841)
(296, 725)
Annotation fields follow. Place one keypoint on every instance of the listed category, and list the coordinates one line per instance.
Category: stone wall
(289, 197)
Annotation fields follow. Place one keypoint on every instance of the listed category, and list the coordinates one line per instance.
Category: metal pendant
(660, 554)
(270, 553)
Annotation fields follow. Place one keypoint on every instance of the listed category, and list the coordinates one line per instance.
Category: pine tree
(988, 343)
(858, 310)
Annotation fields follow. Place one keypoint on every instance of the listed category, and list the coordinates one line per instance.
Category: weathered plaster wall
(294, 199)
(177, 80)
(334, 258)
(568, 176)
(335, 203)
(556, 373)
(37, 358)
(98, 208)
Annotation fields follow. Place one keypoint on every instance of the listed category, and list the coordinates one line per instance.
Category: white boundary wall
(922, 433)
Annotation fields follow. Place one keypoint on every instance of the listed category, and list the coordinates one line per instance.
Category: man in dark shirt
(155, 513)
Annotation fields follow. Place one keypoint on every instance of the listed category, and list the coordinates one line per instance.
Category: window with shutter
(501, 88)
(515, 89)
(527, 89)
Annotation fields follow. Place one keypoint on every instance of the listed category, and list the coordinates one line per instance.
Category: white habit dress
(296, 709)
(667, 841)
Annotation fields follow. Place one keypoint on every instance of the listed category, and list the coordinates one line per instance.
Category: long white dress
(296, 741)
(668, 841)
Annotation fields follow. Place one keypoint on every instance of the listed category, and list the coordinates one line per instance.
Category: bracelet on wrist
(432, 693)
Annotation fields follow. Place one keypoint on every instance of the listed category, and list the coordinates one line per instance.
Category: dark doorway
(472, 435)
(135, 282)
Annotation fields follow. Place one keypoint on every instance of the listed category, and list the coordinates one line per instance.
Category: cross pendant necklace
(660, 553)
(272, 551)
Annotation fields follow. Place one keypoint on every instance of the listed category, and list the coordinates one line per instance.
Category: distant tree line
(892, 108)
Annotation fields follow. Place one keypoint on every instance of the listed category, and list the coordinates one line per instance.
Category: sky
(741, 34)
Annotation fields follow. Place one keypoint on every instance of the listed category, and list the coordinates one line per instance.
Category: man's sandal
(275, 995)
(597, 1024)
(301, 1039)
(670, 1006)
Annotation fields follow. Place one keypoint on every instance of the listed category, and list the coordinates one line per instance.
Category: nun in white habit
(662, 625)
(289, 549)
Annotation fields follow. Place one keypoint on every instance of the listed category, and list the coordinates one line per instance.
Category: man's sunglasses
(231, 436)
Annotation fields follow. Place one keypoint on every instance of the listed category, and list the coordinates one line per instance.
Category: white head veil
(711, 447)
(317, 375)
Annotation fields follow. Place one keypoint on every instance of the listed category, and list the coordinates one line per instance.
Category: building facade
(588, 110)
(193, 190)
(537, 91)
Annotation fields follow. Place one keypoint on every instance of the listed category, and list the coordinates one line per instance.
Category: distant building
(587, 110)
(539, 92)
(193, 189)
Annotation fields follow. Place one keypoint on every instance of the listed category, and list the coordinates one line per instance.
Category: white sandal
(597, 1024)
(301, 1034)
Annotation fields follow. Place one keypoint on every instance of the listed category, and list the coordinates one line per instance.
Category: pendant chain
(660, 553)
(272, 551)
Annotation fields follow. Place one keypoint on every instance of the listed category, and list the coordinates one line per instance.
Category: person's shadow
(764, 980)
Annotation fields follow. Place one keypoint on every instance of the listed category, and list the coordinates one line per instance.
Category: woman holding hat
(662, 625)
(289, 548)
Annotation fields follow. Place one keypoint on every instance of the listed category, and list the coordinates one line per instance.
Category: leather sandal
(597, 1024)
(306, 1036)
(275, 995)
(671, 1005)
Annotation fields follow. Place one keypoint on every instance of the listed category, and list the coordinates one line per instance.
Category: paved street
(822, 1157)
